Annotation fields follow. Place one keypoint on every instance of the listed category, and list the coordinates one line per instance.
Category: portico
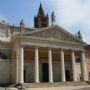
(20, 65)
(49, 51)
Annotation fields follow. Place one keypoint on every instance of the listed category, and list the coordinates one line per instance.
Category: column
(50, 66)
(62, 67)
(36, 65)
(19, 65)
(83, 67)
(73, 66)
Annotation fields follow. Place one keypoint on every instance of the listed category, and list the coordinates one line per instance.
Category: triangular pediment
(54, 33)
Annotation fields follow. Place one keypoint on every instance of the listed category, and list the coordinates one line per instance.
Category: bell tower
(41, 20)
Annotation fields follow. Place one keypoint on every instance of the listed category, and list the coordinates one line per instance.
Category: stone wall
(78, 71)
(13, 68)
(29, 72)
(5, 71)
(29, 69)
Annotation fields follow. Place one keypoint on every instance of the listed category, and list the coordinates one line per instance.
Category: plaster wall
(5, 71)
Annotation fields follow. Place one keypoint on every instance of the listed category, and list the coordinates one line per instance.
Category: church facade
(40, 54)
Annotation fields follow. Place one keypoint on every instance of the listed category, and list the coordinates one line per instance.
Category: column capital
(72, 50)
(35, 47)
(83, 51)
(50, 48)
(62, 49)
(20, 46)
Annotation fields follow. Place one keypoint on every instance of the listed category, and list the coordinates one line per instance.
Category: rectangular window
(77, 60)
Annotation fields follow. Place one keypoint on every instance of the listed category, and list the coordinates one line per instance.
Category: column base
(51, 82)
(37, 82)
(75, 80)
(63, 81)
(21, 82)
(85, 79)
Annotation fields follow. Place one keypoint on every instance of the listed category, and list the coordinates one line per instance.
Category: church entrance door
(45, 73)
(67, 74)
(24, 75)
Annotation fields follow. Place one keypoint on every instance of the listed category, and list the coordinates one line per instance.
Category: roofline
(17, 26)
(57, 26)
(70, 34)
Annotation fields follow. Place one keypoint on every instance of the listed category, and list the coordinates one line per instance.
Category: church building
(41, 54)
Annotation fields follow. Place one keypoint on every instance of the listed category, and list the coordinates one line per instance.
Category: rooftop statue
(53, 18)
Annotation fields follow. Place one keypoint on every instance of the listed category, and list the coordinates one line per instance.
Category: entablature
(33, 41)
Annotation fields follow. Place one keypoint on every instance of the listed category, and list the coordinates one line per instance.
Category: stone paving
(61, 88)
(55, 88)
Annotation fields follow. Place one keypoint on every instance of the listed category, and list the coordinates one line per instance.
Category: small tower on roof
(41, 20)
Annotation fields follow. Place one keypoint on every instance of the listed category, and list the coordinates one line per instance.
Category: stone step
(56, 84)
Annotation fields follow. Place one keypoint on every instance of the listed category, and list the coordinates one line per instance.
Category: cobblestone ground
(54, 88)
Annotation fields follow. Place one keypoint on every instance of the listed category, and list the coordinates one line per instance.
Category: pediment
(54, 33)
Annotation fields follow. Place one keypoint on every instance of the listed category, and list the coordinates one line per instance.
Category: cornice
(49, 43)
(49, 40)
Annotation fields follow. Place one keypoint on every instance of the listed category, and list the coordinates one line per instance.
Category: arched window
(3, 56)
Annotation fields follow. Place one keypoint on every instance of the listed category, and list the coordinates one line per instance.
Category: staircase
(55, 84)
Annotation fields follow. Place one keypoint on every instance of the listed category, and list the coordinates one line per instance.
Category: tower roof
(41, 12)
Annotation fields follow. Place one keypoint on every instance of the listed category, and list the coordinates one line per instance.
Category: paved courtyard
(55, 88)
(64, 88)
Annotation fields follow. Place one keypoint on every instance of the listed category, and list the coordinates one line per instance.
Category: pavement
(64, 88)
(55, 88)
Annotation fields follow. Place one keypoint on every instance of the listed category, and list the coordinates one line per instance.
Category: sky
(72, 15)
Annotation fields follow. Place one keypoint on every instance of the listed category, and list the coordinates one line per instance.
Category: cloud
(73, 13)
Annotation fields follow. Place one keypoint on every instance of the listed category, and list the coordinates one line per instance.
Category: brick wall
(88, 59)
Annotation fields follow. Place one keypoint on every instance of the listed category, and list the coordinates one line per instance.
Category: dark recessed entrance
(67, 74)
(24, 75)
(45, 72)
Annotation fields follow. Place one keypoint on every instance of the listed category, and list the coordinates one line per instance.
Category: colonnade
(20, 65)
